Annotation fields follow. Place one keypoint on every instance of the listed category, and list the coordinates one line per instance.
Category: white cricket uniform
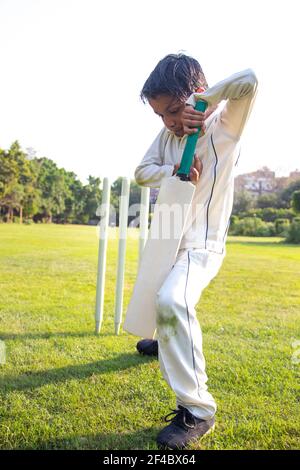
(202, 248)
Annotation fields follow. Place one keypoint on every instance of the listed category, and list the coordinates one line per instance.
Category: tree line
(269, 214)
(34, 189)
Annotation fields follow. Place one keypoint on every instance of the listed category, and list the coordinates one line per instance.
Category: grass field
(62, 387)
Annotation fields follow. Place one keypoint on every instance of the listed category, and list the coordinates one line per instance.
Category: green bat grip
(189, 150)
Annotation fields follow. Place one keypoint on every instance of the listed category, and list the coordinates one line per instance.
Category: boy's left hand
(196, 170)
(192, 119)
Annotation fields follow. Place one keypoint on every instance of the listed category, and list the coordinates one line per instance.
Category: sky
(72, 71)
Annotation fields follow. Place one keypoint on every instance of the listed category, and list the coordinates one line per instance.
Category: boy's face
(170, 110)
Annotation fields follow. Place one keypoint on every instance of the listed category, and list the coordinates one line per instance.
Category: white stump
(104, 214)
(123, 222)
(144, 216)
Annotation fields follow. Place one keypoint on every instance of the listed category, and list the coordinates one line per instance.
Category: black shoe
(183, 430)
(149, 347)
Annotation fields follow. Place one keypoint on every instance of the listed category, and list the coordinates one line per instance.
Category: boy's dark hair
(177, 75)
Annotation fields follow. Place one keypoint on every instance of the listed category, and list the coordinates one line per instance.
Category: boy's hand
(192, 119)
(196, 169)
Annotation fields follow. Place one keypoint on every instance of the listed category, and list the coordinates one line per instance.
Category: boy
(172, 90)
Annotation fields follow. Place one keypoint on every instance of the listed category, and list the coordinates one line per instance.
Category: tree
(75, 200)
(296, 201)
(267, 200)
(286, 194)
(54, 191)
(16, 179)
(92, 199)
(12, 199)
(242, 202)
(32, 200)
(293, 235)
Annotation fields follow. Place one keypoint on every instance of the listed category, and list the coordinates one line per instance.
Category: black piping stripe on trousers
(227, 228)
(212, 189)
(188, 317)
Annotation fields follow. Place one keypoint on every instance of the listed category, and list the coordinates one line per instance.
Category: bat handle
(188, 154)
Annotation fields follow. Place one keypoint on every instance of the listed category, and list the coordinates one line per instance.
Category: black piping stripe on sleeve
(188, 318)
(212, 189)
(237, 158)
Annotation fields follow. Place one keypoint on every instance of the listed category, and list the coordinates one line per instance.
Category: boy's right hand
(192, 120)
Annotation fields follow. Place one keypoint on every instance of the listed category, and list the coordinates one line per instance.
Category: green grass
(62, 387)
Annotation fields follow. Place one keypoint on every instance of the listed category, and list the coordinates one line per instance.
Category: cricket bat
(167, 227)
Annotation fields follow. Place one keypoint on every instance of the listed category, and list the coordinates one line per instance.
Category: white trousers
(178, 331)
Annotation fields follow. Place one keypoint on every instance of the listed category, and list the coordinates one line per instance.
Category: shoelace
(179, 417)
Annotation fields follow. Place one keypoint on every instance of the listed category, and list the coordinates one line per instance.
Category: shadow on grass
(31, 380)
(143, 439)
(63, 334)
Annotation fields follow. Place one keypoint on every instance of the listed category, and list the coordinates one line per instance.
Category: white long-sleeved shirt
(218, 149)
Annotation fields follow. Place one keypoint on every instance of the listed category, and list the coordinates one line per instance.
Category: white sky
(72, 70)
